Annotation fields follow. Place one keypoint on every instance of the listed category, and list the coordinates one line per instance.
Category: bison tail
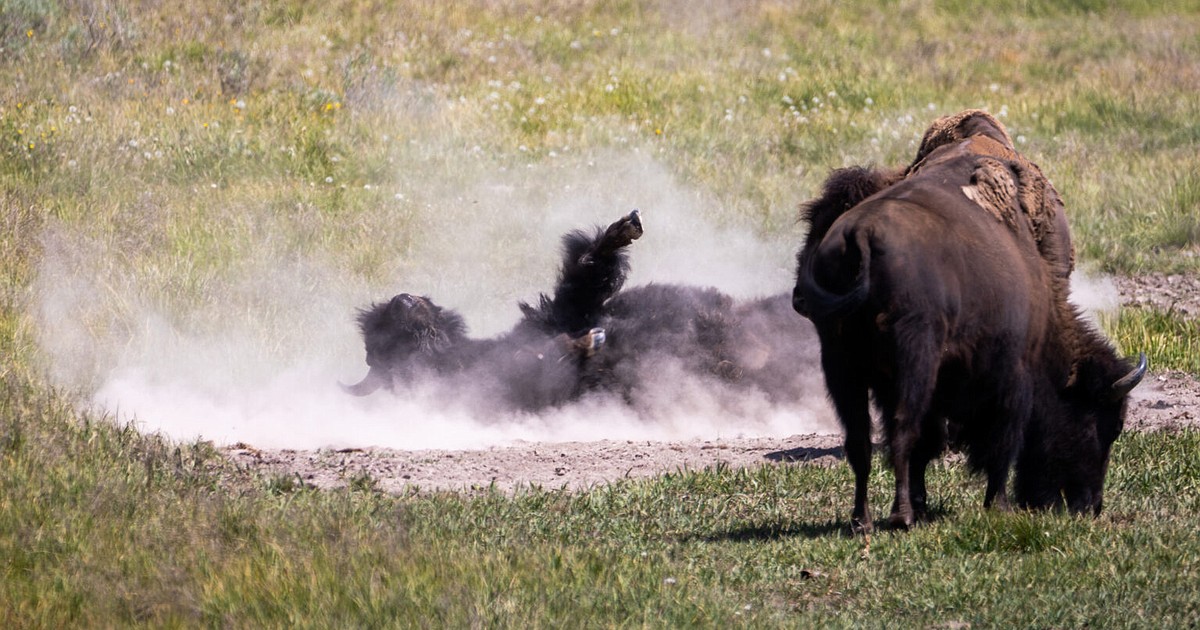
(835, 281)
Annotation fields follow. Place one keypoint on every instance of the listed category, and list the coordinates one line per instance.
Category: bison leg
(902, 516)
(915, 382)
(1006, 432)
(593, 270)
(849, 396)
(928, 447)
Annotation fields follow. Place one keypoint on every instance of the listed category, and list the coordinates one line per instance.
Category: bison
(936, 292)
(590, 336)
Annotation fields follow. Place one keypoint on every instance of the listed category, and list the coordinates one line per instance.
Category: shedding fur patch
(1047, 215)
(993, 188)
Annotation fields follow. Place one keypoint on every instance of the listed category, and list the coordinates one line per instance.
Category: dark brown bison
(536, 364)
(590, 336)
(949, 312)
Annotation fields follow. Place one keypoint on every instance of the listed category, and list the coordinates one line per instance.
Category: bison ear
(1125, 384)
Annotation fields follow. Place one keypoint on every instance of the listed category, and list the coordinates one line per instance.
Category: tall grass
(171, 147)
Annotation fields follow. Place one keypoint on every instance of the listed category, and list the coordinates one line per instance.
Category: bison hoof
(860, 526)
(594, 340)
(624, 231)
(629, 229)
(635, 224)
(900, 521)
(585, 345)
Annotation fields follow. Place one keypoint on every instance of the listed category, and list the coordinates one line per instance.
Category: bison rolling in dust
(590, 337)
(941, 292)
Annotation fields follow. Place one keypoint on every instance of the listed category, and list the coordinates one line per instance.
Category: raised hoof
(635, 229)
(623, 232)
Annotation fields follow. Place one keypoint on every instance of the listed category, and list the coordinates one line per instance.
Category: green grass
(156, 155)
(107, 526)
(1169, 341)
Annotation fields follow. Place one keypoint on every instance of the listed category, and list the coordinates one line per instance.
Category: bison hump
(994, 188)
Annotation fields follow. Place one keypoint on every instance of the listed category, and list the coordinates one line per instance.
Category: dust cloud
(258, 360)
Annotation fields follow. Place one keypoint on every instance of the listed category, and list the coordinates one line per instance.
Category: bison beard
(589, 336)
(944, 310)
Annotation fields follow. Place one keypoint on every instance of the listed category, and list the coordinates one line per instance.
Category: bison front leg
(929, 447)
(1006, 432)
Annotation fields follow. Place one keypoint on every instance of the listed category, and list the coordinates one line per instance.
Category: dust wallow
(591, 337)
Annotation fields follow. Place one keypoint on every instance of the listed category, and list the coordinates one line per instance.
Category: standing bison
(591, 337)
(940, 291)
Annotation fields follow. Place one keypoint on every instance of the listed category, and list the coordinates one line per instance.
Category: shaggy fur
(590, 336)
(938, 312)
(975, 132)
(994, 188)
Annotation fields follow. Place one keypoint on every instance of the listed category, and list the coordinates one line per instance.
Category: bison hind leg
(849, 395)
(593, 270)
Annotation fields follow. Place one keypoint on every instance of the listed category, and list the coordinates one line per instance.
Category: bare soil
(1164, 401)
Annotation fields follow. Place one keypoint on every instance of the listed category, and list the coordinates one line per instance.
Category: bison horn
(1126, 383)
(371, 382)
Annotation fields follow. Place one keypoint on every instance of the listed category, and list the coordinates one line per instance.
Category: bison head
(404, 334)
(1065, 458)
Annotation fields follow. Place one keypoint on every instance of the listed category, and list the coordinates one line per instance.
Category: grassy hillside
(153, 157)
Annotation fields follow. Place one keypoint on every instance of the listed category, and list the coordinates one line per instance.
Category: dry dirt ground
(1165, 400)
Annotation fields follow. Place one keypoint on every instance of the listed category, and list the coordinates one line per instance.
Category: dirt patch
(574, 465)
(1179, 294)
(1164, 401)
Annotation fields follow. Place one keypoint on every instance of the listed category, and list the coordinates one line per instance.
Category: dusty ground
(1165, 400)
(1178, 293)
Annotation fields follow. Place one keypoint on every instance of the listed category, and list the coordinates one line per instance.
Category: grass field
(217, 163)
